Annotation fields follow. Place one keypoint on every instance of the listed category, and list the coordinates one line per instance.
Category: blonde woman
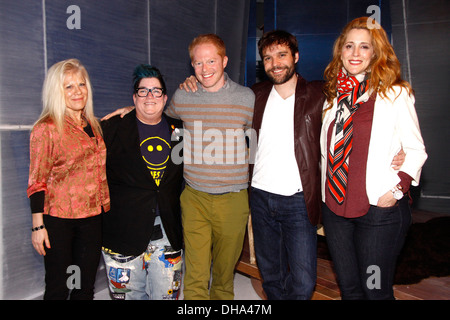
(67, 182)
(369, 116)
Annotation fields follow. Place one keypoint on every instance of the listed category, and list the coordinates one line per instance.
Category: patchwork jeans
(156, 274)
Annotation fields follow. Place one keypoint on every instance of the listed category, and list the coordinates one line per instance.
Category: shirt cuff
(37, 202)
(405, 181)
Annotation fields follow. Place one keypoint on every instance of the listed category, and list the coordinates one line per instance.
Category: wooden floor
(327, 289)
(428, 289)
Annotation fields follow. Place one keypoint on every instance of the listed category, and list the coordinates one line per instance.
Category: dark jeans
(365, 249)
(285, 245)
(73, 242)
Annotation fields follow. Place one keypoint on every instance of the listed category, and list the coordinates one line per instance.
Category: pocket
(384, 216)
(173, 256)
(386, 210)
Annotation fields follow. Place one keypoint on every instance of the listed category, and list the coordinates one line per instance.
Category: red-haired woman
(369, 116)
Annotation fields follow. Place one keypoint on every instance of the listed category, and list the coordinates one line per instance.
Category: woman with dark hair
(368, 117)
(142, 233)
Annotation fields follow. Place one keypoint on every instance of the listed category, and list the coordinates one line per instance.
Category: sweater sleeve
(171, 108)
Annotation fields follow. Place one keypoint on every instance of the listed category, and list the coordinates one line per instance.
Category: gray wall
(115, 36)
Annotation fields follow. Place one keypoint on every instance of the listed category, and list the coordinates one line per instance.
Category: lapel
(300, 111)
(129, 136)
(260, 104)
(299, 108)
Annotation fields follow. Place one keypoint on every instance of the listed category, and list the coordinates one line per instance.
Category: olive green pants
(214, 229)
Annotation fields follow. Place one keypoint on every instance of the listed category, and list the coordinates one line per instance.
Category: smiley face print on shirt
(155, 148)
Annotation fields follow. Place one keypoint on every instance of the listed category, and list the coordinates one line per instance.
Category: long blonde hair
(384, 69)
(53, 99)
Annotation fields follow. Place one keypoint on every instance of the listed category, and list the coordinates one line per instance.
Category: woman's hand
(398, 160)
(121, 111)
(386, 200)
(190, 84)
(39, 237)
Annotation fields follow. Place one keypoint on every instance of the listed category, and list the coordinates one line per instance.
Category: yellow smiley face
(152, 152)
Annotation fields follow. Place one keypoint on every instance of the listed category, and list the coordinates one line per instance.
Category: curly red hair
(384, 69)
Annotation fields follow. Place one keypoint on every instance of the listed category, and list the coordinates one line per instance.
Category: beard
(290, 71)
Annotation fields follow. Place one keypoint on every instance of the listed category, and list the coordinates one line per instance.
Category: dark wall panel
(22, 270)
(317, 24)
(421, 33)
(21, 61)
(232, 26)
(113, 38)
(174, 24)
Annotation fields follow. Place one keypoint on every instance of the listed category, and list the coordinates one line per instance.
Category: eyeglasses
(156, 92)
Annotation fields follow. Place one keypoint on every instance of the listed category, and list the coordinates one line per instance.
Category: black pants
(75, 243)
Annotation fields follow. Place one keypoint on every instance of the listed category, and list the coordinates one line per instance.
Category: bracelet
(37, 228)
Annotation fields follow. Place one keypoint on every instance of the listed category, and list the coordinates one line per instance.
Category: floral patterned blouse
(70, 167)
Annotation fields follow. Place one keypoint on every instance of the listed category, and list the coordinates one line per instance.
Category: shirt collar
(225, 86)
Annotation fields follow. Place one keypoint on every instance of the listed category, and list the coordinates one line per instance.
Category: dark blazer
(309, 100)
(128, 226)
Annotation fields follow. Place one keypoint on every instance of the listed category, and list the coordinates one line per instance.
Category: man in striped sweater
(215, 201)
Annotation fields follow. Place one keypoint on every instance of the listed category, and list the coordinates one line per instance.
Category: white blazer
(395, 126)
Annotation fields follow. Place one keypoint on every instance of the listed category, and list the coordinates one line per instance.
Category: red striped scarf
(349, 90)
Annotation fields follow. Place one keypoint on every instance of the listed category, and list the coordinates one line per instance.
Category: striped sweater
(215, 123)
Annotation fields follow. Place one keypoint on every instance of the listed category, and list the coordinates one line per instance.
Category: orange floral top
(71, 168)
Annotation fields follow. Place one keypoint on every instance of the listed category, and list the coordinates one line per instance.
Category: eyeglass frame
(148, 91)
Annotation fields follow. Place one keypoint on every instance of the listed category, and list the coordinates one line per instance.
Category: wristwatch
(397, 192)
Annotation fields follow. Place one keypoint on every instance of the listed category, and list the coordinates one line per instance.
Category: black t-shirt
(155, 147)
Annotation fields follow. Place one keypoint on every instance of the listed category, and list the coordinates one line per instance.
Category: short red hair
(209, 38)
